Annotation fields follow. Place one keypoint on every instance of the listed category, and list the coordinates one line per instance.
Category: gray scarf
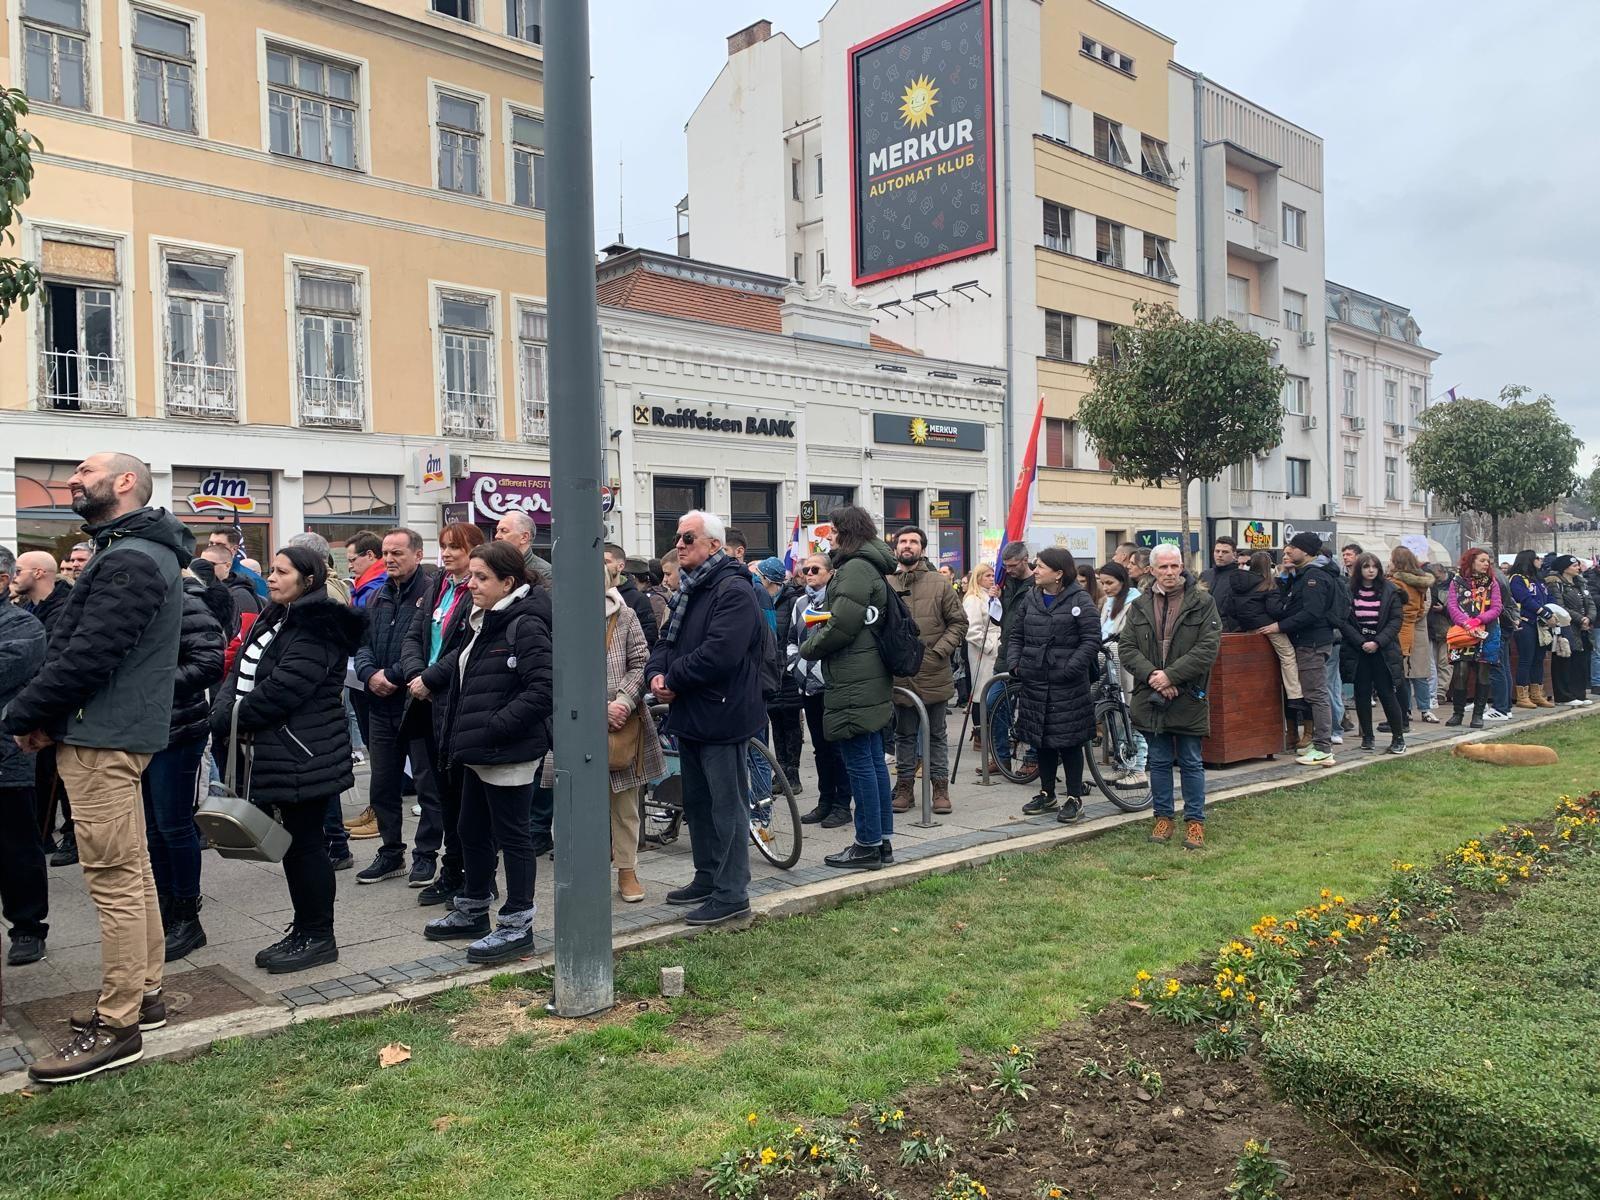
(688, 581)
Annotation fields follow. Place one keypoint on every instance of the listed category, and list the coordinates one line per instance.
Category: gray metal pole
(583, 874)
(927, 821)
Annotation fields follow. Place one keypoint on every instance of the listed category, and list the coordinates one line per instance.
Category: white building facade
(1382, 378)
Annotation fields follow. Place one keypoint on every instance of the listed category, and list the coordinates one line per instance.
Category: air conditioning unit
(1358, 423)
(1308, 422)
(1308, 337)
(1328, 511)
(1397, 429)
(460, 466)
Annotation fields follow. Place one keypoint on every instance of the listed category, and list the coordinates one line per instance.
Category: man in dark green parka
(1169, 644)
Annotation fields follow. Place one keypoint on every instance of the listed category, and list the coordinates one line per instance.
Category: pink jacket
(1468, 620)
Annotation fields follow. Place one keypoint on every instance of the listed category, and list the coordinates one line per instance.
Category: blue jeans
(1335, 688)
(869, 784)
(1422, 690)
(760, 775)
(1530, 655)
(1184, 748)
(1500, 678)
(169, 794)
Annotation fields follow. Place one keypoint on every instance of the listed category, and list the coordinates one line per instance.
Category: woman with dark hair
(1569, 664)
(287, 685)
(1116, 595)
(833, 784)
(1371, 632)
(1473, 602)
(1090, 583)
(1533, 634)
(858, 701)
(449, 604)
(1416, 588)
(1051, 651)
(496, 696)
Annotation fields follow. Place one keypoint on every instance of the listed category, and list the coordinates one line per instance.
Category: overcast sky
(1461, 171)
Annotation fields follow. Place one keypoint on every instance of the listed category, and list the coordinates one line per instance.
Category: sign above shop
(714, 418)
(222, 493)
(897, 429)
(1148, 539)
(1328, 531)
(455, 514)
(1076, 540)
(492, 496)
(938, 510)
(433, 469)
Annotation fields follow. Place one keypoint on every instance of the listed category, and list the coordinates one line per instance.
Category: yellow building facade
(289, 247)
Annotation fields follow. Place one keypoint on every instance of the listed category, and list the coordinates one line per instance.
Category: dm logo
(224, 494)
(919, 432)
(918, 101)
(432, 470)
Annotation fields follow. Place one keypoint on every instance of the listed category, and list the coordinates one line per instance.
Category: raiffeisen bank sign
(921, 131)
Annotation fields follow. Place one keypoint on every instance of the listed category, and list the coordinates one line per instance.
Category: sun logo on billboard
(919, 431)
(916, 105)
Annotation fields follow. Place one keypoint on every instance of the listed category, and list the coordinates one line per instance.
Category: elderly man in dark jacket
(403, 599)
(105, 694)
(24, 888)
(1169, 645)
(706, 666)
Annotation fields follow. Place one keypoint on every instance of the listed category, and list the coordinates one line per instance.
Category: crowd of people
(139, 672)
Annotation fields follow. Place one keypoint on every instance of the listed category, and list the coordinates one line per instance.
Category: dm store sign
(921, 133)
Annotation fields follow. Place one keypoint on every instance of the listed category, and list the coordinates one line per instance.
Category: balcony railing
(470, 414)
(535, 420)
(74, 382)
(332, 402)
(203, 391)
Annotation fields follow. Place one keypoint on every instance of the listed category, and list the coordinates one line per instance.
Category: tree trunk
(1183, 517)
(1494, 536)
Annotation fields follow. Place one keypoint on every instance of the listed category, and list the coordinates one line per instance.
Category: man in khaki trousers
(104, 699)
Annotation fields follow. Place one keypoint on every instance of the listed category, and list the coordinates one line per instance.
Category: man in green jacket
(1169, 645)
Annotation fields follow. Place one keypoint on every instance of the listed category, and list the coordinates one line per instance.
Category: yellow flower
(815, 1151)
(750, 1118)
(1143, 976)
(1136, 993)
(1338, 899)
(899, 1114)
(1015, 1049)
(1173, 987)
(1226, 993)
(768, 1156)
(799, 1131)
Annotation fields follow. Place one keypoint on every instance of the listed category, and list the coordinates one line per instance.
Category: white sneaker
(1337, 739)
(1494, 714)
(1576, 703)
(416, 810)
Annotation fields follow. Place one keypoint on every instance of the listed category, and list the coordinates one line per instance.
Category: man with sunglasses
(706, 666)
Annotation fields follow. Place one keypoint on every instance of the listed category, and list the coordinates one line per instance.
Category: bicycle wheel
(1018, 763)
(1112, 758)
(775, 819)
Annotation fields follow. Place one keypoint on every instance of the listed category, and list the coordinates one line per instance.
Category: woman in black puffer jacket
(1051, 650)
(169, 781)
(497, 701)
(286, 682)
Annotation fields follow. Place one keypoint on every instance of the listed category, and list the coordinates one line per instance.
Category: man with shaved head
(104, 699)
(38, 586)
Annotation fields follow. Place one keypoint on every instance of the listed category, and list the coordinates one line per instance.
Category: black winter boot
(1459, 711)
(184, 934)
(1477, 714)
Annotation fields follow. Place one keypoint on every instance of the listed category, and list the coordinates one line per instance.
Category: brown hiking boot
(628, 885)
(1304, 735)
(941, 796)
(1523, 700)
(367, 828)
(1194, 835)
(903, 785)
(1536, 694)
(152, 1014)
(1161, 831)
(91, 1051)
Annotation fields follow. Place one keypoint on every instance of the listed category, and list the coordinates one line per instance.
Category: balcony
(1263, 327)
(1249, 240)
(201, 390)
(73, 382)
(535, 420)
(470, 415)
(333, 403)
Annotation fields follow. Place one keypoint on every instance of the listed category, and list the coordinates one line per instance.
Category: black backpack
(769, 660)
(1339, 610)
(899, 642)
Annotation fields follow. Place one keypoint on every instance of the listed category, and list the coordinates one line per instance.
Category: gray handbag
(235, 827)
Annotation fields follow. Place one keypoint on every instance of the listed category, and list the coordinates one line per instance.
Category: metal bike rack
(983, 726)
(927, 821)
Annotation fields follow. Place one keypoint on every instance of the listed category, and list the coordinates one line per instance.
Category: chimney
(750, 35)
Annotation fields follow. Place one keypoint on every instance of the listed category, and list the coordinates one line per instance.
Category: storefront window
(45, 520)
(755, 514)
(954, 533)
(829, 497)
(341, 506)
(900, 508)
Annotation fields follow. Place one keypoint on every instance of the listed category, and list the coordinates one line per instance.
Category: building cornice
(441, 39)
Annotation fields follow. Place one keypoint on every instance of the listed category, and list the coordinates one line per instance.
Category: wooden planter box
(1246, 696)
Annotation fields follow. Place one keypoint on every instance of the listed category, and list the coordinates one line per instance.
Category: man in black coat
(24, 886)
(40, 589)
(1223, 573)
(405, 598)
(631, 595)
(706, 667)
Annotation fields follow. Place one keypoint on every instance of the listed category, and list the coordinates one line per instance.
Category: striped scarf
(688, 581)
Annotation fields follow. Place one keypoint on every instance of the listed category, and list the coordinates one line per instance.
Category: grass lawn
(793, 1018)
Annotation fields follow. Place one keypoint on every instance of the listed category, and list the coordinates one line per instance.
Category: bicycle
(775, 828)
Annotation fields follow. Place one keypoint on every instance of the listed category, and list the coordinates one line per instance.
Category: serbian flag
(1027, 490)
(793, 555)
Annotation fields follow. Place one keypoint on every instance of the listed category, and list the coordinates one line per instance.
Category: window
(798, 260)
(525, 20)
(311, 108)
(901, 507)
(533, 373)
(460, 144)
(527, 160)
(831, 496)
(1391, 478)
(1055, 119)
(754, 509)
(1108, 144)
(1297, 476)
(822, 264)
(1352, 468)
(80, 365)
(1106, 341)
(1243, 476)
(1391, 401)
(1104, 53)
(1060, 442)
(670, 499)
(1416, 404)
(200, 372)
(1238, 298)
(1058, 335)
(794, 179)
(461, 10)
(1294, 311)
(164, 69)
(1294, 226)
(1158, 258)
(327, 310)
(1107, 242)
(1057, 227)
(1154, 161)
(818, 161)
(1237, 200)
(1349, 408)
(1295, 391)
(466, 353)
(55, 35)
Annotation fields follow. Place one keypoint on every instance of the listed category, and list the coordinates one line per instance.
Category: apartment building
(1382, 376)
(292, 250)
(1251, 249)
(994, 180)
